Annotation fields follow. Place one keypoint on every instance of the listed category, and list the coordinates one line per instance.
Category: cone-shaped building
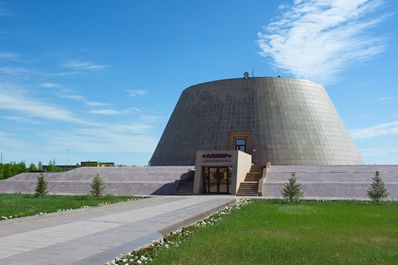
(284, 121)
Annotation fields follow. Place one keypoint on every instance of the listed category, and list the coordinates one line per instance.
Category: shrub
(41, 189)
(377, 191)
(292, 190)
(97, 186)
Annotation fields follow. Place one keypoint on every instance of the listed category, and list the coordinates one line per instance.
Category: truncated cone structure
(285, 121)
(278, 125)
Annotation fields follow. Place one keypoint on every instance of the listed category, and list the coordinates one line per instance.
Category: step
(253, 176)
(255, 168)
(248, 188)
(184, 188)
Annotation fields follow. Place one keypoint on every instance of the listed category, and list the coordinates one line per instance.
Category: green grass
(308, 233)
(25, 204)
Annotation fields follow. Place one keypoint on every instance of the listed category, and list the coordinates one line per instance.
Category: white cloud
(152, 118)
(7, 140)
(21, 119)
(136, 92)
(12, 98)
(3, 11)
(317, 39)
(50, 85)
(67, 94)
(112, 112)
(8, 56)
(84, 65)
(105, 139)
(27, 72)
(379, 151)
(96, 103)
(387, 98)
(387, 128)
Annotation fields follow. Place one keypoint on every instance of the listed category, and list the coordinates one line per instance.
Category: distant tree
(377, 190)
(1, 171)
(41, 188)
(292, 190)
(21, 167)
(32, 167)
(40, 167)
(52, 167)
(97, 186)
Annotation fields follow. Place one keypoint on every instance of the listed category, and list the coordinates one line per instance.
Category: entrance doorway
(216, 180)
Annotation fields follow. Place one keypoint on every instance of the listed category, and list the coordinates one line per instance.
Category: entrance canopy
(220, 171)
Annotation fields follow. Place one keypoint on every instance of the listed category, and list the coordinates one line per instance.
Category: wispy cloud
(4, 11)
(317, 39)
(8, 56)
(136, 92)
(8, 140)
(152, 118)
(386, 98)
(28, 72)
(112, 112)
(84, 66)
(106, 139)
(13, 98)
(21, 119)
(379, 151)
(387, 128)
(67, 94)
(50, 85)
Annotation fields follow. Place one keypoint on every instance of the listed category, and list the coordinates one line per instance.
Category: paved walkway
(97, 235)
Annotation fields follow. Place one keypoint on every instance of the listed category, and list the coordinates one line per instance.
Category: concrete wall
(244, 163)
(290, 122)
(331, 182)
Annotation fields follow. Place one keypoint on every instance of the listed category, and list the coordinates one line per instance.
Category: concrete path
(97, 235)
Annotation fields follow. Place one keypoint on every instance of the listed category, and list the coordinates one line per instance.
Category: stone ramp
(96, 235)
(118, 180)
(331, 182)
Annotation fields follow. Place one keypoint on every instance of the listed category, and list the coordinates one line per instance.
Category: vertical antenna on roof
(252, 72)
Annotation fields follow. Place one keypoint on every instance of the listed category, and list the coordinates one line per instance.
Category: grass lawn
(25, 204)
(267, 232)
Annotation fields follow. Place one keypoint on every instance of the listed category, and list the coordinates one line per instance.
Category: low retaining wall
(331, 182)
(118, 181)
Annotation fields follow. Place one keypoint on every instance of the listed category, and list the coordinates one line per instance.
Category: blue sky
(101, 78)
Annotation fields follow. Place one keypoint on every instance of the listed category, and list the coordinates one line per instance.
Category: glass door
(216, 180)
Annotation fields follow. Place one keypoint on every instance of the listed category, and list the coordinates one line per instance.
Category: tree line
(8, 170)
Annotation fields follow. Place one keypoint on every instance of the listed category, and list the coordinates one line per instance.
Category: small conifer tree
(41, 188)
(292, 190)
(377, 191)
(97, 186)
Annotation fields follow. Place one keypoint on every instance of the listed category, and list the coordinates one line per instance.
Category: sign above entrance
(218, 158)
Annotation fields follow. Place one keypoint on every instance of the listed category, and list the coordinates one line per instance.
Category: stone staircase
(185, 186)
(250, 186)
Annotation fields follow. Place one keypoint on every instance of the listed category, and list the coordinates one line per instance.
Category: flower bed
(174, 239)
